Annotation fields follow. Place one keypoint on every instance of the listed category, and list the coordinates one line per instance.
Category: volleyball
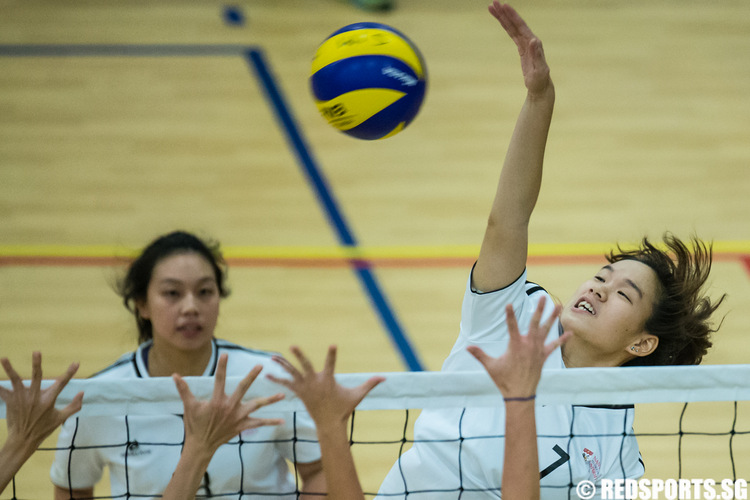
(368, 80)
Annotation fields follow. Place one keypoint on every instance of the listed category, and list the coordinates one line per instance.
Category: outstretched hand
(533, 63)
(209, 424)
(30, 411)
(31, 415)
(517, 372)
(325, 399)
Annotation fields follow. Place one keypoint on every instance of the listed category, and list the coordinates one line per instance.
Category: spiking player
(645, 307)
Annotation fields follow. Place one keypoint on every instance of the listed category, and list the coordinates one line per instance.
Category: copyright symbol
(586, 490)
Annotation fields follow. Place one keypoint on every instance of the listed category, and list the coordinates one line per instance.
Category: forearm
(504, 250)
(188, 474)
(341, 476)
(13, 455)
(521, 465)
(521, 176)
(313, 486)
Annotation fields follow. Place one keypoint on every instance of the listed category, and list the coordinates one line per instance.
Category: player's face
(182, 302)
(609, 311)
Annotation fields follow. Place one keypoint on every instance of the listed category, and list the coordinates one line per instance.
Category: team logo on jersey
(135, 450)
(593, 462)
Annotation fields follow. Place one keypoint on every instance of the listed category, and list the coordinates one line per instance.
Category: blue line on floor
(122, 50)
(336, 218)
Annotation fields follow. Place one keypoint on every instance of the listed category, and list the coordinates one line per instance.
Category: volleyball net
(691, 423)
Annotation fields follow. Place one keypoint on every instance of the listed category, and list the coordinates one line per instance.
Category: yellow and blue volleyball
(368, 80)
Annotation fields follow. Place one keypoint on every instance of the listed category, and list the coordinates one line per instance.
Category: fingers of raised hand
(479, 354)
(554, 344)
(289, 384)
(257, 403)
(183, 390)
(510, 319)
(252, 423)
(73, 407)
(13, 376)
(330, 365)
(305, 363)
(547, 326)
(536, 318)
(60, 382)
(364, 389)
(287, 366)
(220, 377)
(36, 372)
(245, 384)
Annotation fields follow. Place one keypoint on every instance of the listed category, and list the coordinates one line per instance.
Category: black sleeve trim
(129, 359)
(471, 278)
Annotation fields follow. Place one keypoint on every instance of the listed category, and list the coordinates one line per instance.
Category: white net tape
(404, 390)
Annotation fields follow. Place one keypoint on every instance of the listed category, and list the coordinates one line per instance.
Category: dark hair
(133, 287)
(682, 310)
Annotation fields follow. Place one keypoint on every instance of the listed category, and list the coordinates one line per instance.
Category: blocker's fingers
(554, 344)
(281, 381)
(13, 376)
(479, 353)
(330, 365)
(62, 380)
(221, 376)
(287, 366)
(370, 384)
(510, 318)
(245, 384)
(263, 422)
(552, 318)
(73, 407)
(307, 366)
(265, 401)
(183, 390)
(536, 318)
(36, 372)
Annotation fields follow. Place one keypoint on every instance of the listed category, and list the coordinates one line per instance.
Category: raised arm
(31, 414)
(502, 257)
(330, 405)
(516, 373)
(209, 424)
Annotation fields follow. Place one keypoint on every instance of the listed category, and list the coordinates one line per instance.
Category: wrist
(332, 428)
(547, 94)
(15, 452)
(200, 453)
(519, 399)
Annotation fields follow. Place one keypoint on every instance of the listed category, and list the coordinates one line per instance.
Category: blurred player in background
(173, 290)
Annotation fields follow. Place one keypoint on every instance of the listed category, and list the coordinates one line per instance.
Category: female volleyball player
(173, 289)
(516, 373)
(31, 415)
(645, 307)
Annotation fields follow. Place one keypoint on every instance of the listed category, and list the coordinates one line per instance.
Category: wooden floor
(120, 121)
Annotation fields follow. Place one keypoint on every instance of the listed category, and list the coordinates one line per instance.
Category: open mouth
(584, 305)
(190, 329)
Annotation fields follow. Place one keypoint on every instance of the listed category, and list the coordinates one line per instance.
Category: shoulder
(236, 350)
(241, 359)
(534, 289)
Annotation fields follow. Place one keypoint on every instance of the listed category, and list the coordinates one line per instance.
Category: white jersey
(142, 452)
(465, 448)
